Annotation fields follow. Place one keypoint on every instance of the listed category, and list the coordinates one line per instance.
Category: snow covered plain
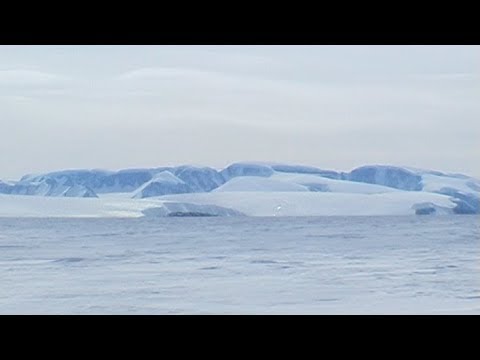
(252, 189)
(251, 203)
(241, 265)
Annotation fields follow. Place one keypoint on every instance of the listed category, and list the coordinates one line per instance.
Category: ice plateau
(263, 189)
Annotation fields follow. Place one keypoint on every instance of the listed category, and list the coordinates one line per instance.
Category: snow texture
(240, 265)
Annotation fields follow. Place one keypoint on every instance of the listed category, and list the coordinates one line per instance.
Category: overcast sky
(336, 107)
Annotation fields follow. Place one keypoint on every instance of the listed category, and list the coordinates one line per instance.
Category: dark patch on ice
(69, 260)
(317, 187)
(318, 236)
(464, 208)
(210, 268)
(190, 214)
(425, 211)
(335, 236)
(327, 299)
(412, 284)
(424, 272)
(11, 246)
(115, 256)
(443, 267)
(262, 261)
(473, 297)
(157, 252)
(179, 260)
(217, 257)
(100, 235)
(119, 256)
(466, 203)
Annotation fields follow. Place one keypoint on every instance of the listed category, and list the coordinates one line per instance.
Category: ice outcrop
(246, 169)
(99, 181)
(302, 169)
(178, 209)
(429, 208)
(162, 184)
(52, 187)
(199, 179)
(390, 176)
(124, 181)
(467, 203)
(5, 188)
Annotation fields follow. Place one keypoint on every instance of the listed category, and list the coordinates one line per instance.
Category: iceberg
(255, 189)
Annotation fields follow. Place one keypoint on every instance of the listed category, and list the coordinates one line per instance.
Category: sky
(335, 107)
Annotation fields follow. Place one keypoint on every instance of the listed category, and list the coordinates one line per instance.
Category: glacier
(243, 188)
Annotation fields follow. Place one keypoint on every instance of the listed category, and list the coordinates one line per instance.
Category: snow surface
(252, 183)
(266, 203)
(332, 185)
(39, 206)
(317, 203)
(240, 265)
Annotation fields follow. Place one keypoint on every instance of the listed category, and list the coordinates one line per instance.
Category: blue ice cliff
(154, 182)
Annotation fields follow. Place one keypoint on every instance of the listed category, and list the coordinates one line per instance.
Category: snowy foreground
(241, 265)
(242, 189)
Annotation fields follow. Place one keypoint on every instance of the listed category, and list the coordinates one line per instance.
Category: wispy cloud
(18, 77)
(327, 106)
(163, 72)
(450, 76)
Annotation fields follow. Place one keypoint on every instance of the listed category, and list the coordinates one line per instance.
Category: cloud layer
(334, 107)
